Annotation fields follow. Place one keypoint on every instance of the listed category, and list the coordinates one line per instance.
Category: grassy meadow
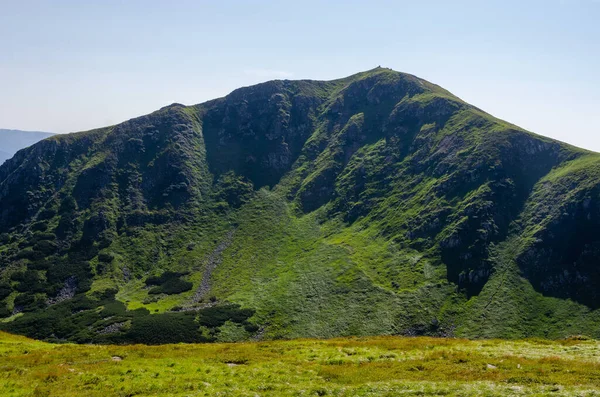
(374, 366)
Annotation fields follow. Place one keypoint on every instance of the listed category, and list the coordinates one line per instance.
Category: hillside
(12, 141)
(375, 204)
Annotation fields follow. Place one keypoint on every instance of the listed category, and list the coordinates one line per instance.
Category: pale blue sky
(74, 65)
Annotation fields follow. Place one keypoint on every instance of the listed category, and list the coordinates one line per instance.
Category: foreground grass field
(377, 366)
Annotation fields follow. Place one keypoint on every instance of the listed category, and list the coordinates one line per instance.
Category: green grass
(135, 296)
(378, 366)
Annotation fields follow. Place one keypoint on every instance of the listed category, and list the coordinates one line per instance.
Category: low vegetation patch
(169, 283)
(377, 366)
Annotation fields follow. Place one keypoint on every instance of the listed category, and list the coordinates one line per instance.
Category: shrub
(40, 264)
(5, 290)
(29, 280)
(39, 227)
(216, 316)
(165, 328)
(105, 295)
(166, 276)
(4, 312)
(4, 238)
(29, 253)
(106, 257)
(38, 325)
(29, 302)
(45, 247)
(46, 214)
(252, 328)
(24, 299)
(171, 287)
(68, 204)
(168, 283)
(80, 303)
(113, 308)
(234, 189)
(38, 236)
(63, 269)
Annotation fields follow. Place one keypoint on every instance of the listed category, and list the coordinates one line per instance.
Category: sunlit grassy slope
(378, 366)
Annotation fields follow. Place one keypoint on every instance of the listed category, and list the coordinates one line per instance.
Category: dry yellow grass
(377, 366)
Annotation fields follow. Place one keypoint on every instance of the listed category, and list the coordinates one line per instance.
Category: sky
(71, 65)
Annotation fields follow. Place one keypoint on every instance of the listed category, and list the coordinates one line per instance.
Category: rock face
(377, 203)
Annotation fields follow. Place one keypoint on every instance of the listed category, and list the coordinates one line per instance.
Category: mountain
(4, 156)
(13, 140)
(374, 204)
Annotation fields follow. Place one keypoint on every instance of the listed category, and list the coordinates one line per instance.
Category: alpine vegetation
(377, 204)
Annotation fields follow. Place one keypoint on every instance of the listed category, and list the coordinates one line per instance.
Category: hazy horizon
(72, 66)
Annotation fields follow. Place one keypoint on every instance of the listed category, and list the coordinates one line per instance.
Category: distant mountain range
(12, 141)
(379, 203)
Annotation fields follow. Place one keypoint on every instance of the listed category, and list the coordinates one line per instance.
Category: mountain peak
(377, 203)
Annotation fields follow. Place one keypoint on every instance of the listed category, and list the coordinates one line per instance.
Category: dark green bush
(171, 287)
(38, 325)
(113, 308)
(29, 253)
(252, 328)
(68, 204)
(4, 312)
(80, 303)
(45, 247)
(234, 189)
(216, 316)
(5, 290)
(165, 328)
(40, 264)
(29, 280)
(4, 238)
(105, 295)
(39, 227)
(38, 236)
(106, 257)
(163, 278)
(29, 302)
(46, 214)
(24, 299)
(168, 283)
(61, 270)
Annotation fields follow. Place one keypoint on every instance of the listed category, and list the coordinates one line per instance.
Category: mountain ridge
(13, 140)
(378, 203)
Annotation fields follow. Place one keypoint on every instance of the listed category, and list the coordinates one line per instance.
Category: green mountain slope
(375, 204)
